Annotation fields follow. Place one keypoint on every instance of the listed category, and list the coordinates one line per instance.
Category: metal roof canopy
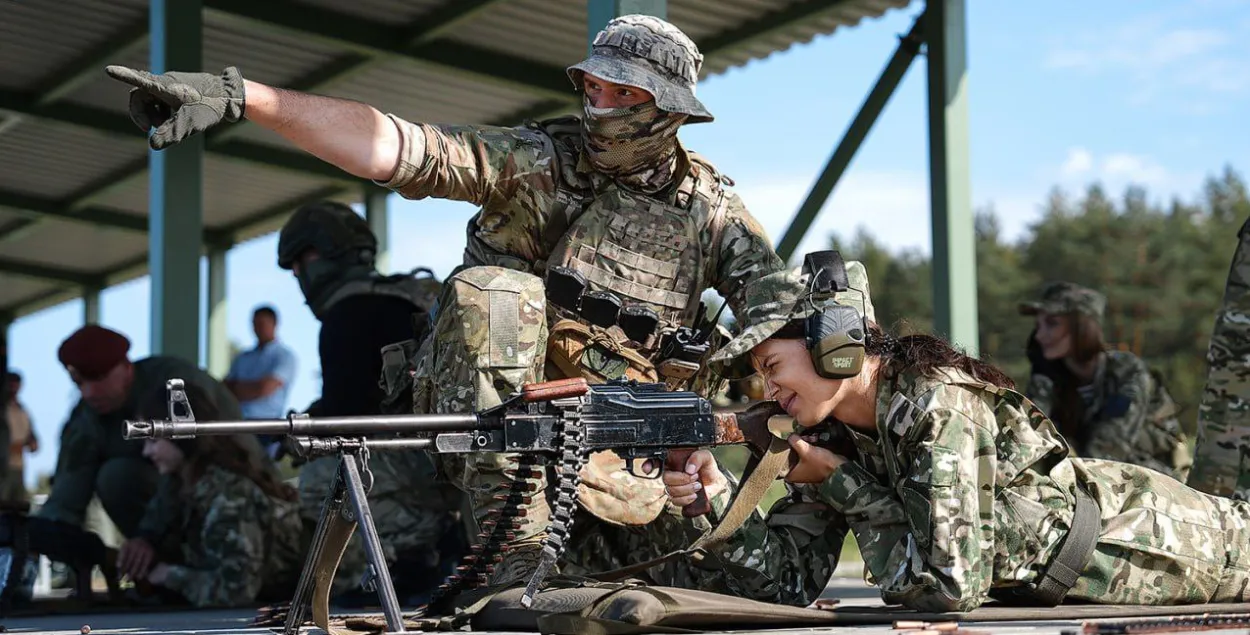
(74, 170)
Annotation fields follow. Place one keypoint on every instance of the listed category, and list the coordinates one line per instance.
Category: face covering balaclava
(321, 278)
(636, 145)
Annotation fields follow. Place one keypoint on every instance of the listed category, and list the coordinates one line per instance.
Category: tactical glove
(179, 105)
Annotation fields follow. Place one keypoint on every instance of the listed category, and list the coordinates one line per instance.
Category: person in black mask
(331, 251)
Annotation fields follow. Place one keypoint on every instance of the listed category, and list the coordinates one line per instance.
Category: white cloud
(1079, 161)
(1117, 170)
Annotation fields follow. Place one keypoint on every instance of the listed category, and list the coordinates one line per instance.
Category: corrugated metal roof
(41, 37)
(385, 11)
(55, 160)
(78, 144)
(15, 289)
(94, 248)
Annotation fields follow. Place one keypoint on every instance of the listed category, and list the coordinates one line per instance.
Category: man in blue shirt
(261, 378)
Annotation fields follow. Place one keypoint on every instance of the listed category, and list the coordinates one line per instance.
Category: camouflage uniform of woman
(1106, 403)
(611, 197)
(957, 488)
(239, 530)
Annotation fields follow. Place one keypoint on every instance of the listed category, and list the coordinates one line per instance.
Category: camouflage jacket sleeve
(923, 541)
(1119, 432)
(162, 511)
(77, 464)
(787, 558)
(228, 569)
(1041, 391)
(744, 254)
(509, 172)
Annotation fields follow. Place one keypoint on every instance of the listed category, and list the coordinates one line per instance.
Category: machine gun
(562, 421)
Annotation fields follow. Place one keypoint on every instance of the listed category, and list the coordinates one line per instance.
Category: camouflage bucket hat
(777, 298)
(1066, 297)
(647, 52)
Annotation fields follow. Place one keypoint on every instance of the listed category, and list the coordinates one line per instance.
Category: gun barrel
(308, 426)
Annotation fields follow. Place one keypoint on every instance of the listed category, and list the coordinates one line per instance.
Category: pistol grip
(676, 461)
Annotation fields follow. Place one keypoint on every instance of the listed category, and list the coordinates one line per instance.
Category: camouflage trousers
(489, 338)
(1222, 454)
(411, 512)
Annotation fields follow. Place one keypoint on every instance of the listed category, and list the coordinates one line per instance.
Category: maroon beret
(92, 351)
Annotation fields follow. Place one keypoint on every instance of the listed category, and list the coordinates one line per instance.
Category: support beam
(346, 31)
(45, 272)
(176, 194)
(442, 20)
(91, 304)
(117, 124)
(600, 12)
(35, 207)
(954, 238)
(218, 326)
(861, 125)
(378, 217)
(270, 218)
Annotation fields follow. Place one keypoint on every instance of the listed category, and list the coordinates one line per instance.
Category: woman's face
(166, 456)
(790, 379)
(1054, 336)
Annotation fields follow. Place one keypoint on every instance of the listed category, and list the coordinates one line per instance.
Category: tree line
(1162, 267)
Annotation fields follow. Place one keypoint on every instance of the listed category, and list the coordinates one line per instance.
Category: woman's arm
(933, 548)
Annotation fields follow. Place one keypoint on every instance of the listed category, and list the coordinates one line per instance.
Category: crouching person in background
(239, 528)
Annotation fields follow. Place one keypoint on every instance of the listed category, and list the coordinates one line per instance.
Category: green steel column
(600, 12)
(91, 305)
(378, 217)
(175, 193)
(954, 240)
(218, 327)
(887, 83)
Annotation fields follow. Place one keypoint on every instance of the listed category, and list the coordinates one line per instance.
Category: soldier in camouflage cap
(1222, 454)
(1108, 404)
(957, 488)
(783, 297)
(608, 200)
(647, 52)
(1066, 297)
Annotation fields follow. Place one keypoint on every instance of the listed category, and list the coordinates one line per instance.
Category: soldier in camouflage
(957, 488)
(238, 529)
(610, 200)
(1108, 404)
(1222, 454)
(331, 251)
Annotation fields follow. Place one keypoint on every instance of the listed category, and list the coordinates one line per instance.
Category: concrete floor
(848, 591)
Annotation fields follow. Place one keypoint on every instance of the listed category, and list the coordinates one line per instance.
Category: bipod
(346, 506)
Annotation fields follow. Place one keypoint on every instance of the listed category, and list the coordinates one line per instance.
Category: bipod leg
(297, 614)
(373, 546)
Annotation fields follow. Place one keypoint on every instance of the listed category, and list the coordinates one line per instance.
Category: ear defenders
(837, 333)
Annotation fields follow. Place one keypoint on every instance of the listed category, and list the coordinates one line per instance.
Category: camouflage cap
(650, 53)
(1067, 297)
(780, 297)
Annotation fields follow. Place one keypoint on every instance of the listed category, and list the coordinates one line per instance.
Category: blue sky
(1060, 93)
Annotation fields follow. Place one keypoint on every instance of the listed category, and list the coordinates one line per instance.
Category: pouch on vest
(576, 350)
(398, 375)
